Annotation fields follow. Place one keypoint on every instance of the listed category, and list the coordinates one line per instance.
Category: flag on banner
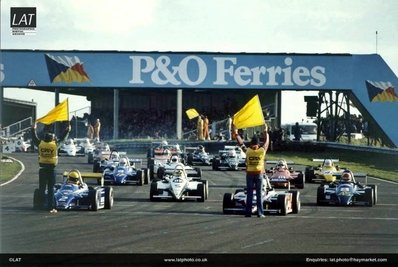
(192, 113)
(250, 115)
(66, 69)
(59, 113)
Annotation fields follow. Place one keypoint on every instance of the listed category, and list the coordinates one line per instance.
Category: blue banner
(368, 77)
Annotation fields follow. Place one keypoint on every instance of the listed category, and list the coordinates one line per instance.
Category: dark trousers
(47, 181)
(254, 181)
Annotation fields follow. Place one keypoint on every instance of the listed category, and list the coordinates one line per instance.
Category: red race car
(282, 176)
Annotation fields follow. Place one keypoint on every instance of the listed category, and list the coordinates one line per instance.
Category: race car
(101, 152)
(282, 176)
(69, 148)
(168, 168)
(86, 144)
(178, 186)
(197, 156)
(75, 194)
(159, 155)
(229, 158)
(346, 192)
(110, 161)
(326, 172)
(274, 202)
(126, 172)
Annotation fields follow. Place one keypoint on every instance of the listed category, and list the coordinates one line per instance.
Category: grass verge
(8, 168)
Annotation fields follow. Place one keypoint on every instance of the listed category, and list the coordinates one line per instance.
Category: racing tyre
(369, 196)
(140, 177)
(108, 197)
(309, 174)
(90, 158)
(283, 204)
(199, 172)
(296, 203)
(214, 165)
(147, 178)
(153, 191)
(206, 185)
(95, 198)
(96, 166)
(300, 181)
(151, 172)
(201, 192)
(190, 160)
(37, 202)
(160, 173)
(227, 203)
(374, 187)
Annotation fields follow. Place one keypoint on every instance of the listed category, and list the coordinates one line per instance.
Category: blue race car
(126, 172)
(75, 194)
(197, 156)
(346, 192)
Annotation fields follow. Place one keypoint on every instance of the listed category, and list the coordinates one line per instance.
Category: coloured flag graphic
(381, 92)
(65, 69)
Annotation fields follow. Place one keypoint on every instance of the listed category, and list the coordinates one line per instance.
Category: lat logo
(23, 20)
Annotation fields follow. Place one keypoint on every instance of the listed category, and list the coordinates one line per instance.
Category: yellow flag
(59, 113)
(250, 115)
(192, 113)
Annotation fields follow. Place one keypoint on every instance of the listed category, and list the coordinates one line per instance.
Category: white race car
(69, 148)
(168, 167)
(86, 144)
(178, 186)
(230, 158)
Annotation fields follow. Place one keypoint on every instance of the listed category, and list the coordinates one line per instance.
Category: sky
(264, 26)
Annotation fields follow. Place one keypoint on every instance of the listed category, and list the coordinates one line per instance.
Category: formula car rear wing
(322, 160)
(88, 175)
(277, 161)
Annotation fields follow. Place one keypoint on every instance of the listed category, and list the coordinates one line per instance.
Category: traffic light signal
(312, 105)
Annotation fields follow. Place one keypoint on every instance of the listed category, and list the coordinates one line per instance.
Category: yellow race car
(327, 172)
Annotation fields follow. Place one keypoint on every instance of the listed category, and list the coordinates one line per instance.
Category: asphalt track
(136, 227)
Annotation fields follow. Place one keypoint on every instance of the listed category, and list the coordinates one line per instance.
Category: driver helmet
(179, 170)
(328, 163)
(347, 176)
(164, 142)
(282, 164)
(74, 177)
(123, 162)
(115, 156)
(174, 159)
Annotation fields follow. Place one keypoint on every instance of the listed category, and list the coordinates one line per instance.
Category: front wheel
(153, 191)
(95, 198)
(227, 203)
(283, 204)
(201, 193)
(296, 203)
(108, 197)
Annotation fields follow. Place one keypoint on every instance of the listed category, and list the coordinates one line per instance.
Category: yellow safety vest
(48, 153)
(255, 160)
